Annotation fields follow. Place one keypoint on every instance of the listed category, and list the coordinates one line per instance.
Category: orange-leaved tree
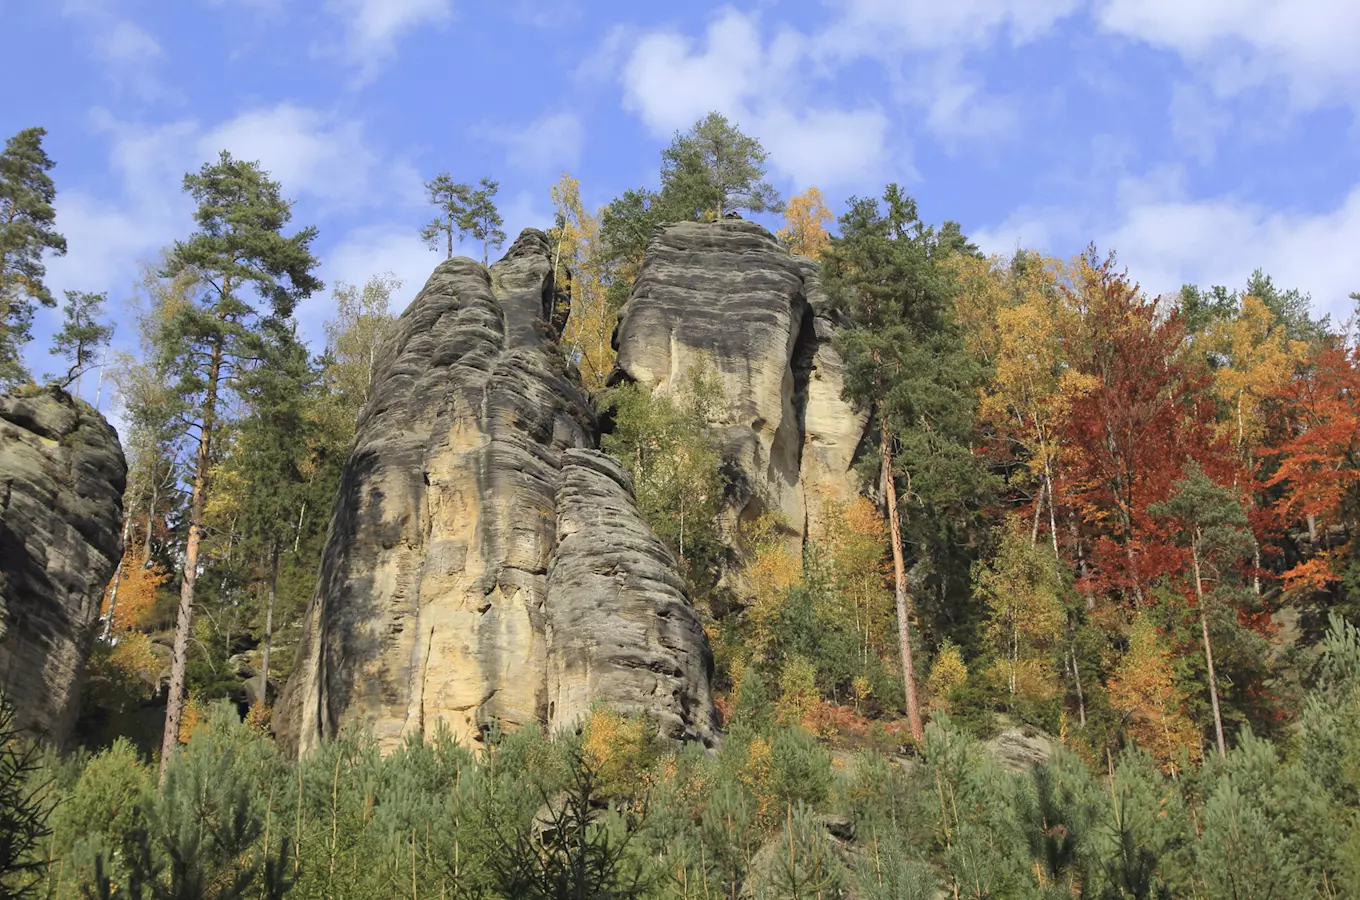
(1318, 463)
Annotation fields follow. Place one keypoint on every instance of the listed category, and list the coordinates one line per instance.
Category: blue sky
(1200, 139)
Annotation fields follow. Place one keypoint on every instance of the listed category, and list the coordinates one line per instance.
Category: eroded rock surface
(62, 475)
(726, 297)
(620, 627)
(433, 604)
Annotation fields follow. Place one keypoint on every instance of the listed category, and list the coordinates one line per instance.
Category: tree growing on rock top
(451, 199)
(27, 230)
(239, 250)
(82, 335)
(464, 211)
(706, 172)
(714, 167)
(482, 221)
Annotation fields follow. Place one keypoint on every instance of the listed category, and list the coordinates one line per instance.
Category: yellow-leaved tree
(1143, 688)
(578, 261)
(1261, 359)
(1033, 388)
(1022, 589)
(805, 231)
(857, 544)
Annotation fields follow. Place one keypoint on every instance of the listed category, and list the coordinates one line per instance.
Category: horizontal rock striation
(620, 626)
(431, 602)
(726, 297)
(62, 476)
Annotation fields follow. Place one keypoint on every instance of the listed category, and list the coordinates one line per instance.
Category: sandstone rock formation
(462, 503)
(620, 628)
(727, 297)
(62, 475)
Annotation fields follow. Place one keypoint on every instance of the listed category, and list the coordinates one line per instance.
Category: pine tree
(27, 229)
(268, 457)
(239, 247)
(905, 360)
(481, 221)
(82, 335)
(452, 199)
(714, 167)
(23, 810)
(1209, 519)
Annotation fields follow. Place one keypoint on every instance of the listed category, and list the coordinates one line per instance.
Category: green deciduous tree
(27, 230)
(1022, 588)
(664, 443)
(363, 319)
(238, 249)
(82, 335)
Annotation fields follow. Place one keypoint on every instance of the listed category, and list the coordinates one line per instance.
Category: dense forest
(1121, 525)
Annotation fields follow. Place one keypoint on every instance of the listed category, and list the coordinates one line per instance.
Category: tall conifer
(242, 257)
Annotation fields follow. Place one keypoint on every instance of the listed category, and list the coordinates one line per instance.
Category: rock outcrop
(62, 475)
(620, 627)
(468, 502)
(726, 297)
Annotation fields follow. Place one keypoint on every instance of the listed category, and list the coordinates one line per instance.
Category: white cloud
(1307, 45)
(127, 42)
(550, 142)
(307, 151)
(129, 52)
(1167, 240)
(318, 158)
(1220, 241)
(670, 83)
(357, 257)
(825, 147)
(372, 27)
(878, 27)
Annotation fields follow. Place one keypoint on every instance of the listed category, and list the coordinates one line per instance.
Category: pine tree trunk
(450, 233)
(269, 627)
(1208, 652)
(900, 587)
(179, 660)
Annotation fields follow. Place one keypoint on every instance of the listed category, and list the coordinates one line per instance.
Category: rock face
(62, 475)
(470, 498)
(724, 296)
(620, 628)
